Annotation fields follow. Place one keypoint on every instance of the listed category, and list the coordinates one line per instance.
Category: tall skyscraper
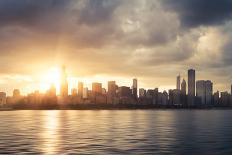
(80, 89)
(178, 82)
(97, 88)
(183, 87)
(204, 91)
(191, 86)
(191, 82)
(64, 83)
(111, 88)
(135, 88)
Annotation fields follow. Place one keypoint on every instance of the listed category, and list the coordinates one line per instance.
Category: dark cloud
(97, 11)
(26, 12)
(195, 13)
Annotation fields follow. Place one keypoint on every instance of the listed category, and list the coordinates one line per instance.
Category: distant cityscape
(191, 94)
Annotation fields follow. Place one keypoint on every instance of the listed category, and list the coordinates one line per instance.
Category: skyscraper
(178, 82)
(183, 87)
(135, 88)
(191, 82)
(111, 88)
(205, 91)
(191, 86)
(80, 89)
(64, 83)
(97, 88)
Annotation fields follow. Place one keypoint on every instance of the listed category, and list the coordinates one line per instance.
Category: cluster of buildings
(186, 94)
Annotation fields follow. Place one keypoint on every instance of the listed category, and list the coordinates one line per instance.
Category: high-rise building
(16, 93)
(183, 87)
(80, 89)
(216, 98)
(176, 97)
(135, 88)
(178, 82)
(64, 83)
(112, 88)
(191, 86)
(85, 93)
(124, 91)
(191, 82)
(2, 98)
(142, 92)
(52, 90)
(74, 92)
(97, 88)
(204, 91)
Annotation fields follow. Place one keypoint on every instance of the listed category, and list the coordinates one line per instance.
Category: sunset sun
(51, 77)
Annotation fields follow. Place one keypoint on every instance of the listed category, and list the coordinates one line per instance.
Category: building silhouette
(178, 82)
(204, 90)
(2, 98)
(112, 88)
(135, 88)
(64, 83)
(191, 86)
(97, 88)
(80, 89)
(183, 87)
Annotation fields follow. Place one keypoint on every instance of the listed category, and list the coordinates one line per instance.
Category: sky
(101, 40)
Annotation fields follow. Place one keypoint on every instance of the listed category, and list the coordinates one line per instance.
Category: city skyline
(107, 40)
(58, 80)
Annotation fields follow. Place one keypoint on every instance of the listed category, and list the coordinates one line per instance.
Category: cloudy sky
(99, 40)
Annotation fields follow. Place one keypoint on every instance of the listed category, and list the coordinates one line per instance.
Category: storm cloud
(145, 39)
(195, 13)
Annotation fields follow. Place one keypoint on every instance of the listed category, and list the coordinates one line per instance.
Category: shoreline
(110, 107)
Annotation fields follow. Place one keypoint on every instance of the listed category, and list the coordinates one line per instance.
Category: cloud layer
(151, 40)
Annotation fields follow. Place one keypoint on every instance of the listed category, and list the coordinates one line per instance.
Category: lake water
(116, 132)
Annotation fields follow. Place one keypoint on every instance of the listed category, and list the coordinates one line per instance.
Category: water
(116, 132)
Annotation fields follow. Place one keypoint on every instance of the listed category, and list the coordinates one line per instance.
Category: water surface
(116, 132)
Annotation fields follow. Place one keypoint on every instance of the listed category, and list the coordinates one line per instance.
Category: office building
(176, 96)
(191, 86)
(85, 93)
(112, 88)
(204, 91)
(64, 83)
(142, 92)
(97, 88)
(183, 87)
(52, 90)
(2, 98)
(216, 98)
(74, 92)
(80, 89)
(178, 82)
(135, 88)
(124, 91)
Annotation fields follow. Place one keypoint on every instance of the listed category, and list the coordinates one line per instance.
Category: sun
(51, 77)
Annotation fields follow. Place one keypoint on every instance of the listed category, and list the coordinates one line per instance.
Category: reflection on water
(116, 132)
(49, 133)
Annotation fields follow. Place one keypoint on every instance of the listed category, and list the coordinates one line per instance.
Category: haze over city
(114, 40)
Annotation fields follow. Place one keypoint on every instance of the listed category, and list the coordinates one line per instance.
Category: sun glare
(51, 77)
